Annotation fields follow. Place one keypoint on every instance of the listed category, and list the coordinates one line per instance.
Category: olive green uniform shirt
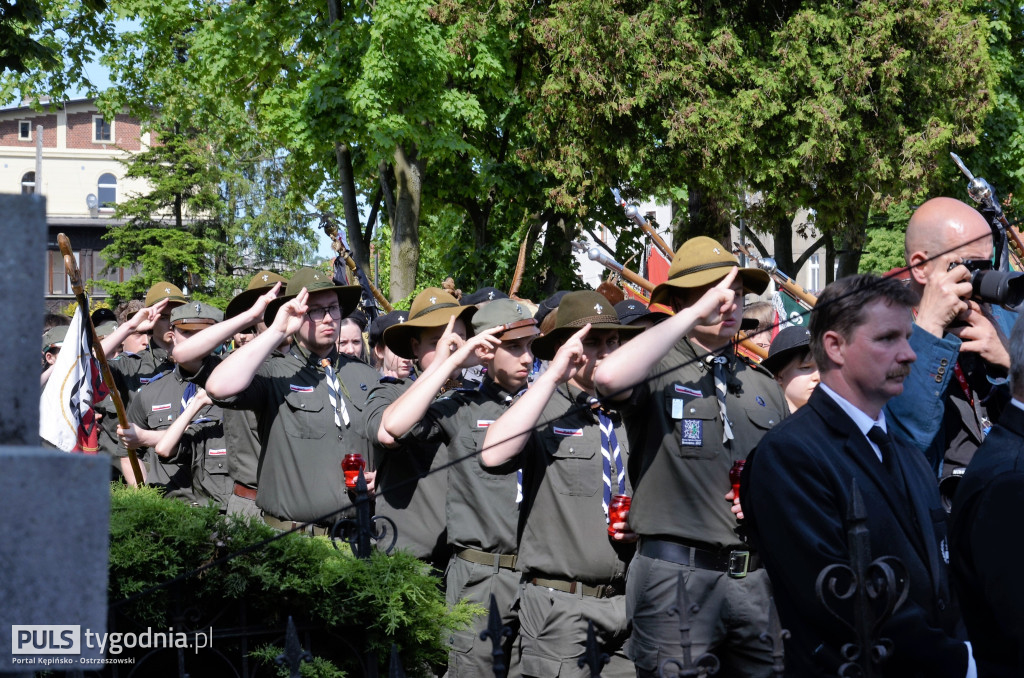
(564, 533)
(300, 476)
(410, 488)
(675, 433)
(481, 512)
(154, 408)
(131, 371)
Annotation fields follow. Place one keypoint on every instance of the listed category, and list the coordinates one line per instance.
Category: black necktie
(885, 446)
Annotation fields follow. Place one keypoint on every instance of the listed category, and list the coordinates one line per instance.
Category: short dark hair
(840, 308)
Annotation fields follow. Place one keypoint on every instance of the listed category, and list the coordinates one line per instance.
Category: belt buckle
(739, 564)
(605, 590)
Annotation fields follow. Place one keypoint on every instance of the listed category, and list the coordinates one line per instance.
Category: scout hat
(576, 310)
(703, 261)
(315, 281)
(165, 290)
(382, 322)
(786, 345)
(432, 307)
(195, 315)
(105, 329)
(258, 286)
(631, 310)
(482, 296)
(512, 316)
(549, 305)
(54, 337)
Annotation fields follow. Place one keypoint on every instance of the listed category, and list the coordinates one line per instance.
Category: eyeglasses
(317, 314)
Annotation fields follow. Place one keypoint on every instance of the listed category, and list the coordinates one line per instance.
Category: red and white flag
(66, 415)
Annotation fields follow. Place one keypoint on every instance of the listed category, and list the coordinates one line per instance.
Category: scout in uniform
(131, 371)
(410, 490)
(308, 402)
(163, 401)
(692, 408)
(482, 506)
(576, 457)
(383, 359)
(243, 321)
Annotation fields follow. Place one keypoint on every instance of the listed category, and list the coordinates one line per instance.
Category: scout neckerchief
(611, 455)
(333, 394)
(187, 396)
(718, 363)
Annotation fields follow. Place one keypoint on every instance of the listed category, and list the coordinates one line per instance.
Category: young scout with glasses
(308, 402)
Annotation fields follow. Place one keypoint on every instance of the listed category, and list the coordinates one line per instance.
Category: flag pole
(83, 303)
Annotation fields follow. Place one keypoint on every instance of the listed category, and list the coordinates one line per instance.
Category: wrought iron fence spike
(293, 653)
(497, 632)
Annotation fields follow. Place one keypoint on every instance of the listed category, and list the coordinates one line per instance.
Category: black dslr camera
(1005, 288)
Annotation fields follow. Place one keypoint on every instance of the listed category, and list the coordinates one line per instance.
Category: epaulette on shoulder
(124, 354)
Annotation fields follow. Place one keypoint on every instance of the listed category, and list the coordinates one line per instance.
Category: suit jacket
(986, 551)
(796, 495)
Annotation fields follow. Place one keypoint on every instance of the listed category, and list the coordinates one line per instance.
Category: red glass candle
(618, 508)
(352, 464)
(734, 476)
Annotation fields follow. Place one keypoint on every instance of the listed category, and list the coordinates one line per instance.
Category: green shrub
(369, 603)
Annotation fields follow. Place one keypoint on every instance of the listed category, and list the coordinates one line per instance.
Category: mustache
(901, 372)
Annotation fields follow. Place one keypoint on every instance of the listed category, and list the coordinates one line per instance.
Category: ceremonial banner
(66, 416)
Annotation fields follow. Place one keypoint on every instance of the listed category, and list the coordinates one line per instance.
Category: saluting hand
(260, 307)
(146, 318)
(569, 359)
(718, 302)
(292, 314)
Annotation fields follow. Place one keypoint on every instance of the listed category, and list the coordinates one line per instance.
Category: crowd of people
(577, 459)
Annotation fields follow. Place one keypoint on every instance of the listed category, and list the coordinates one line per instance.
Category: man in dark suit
(798, 487)
(985, 557)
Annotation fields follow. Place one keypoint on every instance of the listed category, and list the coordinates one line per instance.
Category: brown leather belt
(288, 525)
(736, 563)
(507, 560)
(599, 591)
(244, 492)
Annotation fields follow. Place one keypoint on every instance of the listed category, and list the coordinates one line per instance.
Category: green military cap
(165, 290)
(433, 307)
(574, 312)
(315, 281)
(702, 261)
(54, 337)
(258, 286)
(512, 316)
(195, 315)
(105, 329)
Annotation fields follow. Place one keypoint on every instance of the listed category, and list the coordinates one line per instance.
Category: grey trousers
(469, 656)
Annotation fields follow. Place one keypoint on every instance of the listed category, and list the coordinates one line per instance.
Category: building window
(815, 271)
(24, 130)
(106, 191)
(28, 183)
(102, 130)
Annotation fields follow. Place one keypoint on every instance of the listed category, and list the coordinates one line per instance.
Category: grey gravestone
(54, 506)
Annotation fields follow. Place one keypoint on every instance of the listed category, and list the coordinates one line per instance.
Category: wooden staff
(790, 286)
(633, 213)
(377, 294)
(83, 304)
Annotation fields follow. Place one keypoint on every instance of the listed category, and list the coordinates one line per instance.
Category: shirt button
(339, 436)
(692, 410)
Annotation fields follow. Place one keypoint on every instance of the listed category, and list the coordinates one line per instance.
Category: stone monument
(54, 506)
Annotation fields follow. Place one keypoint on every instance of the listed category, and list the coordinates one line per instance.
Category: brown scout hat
(703, 261)
(165, 290)
(576, 310)
(433, 307)
(258, 286)
(315, 281)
